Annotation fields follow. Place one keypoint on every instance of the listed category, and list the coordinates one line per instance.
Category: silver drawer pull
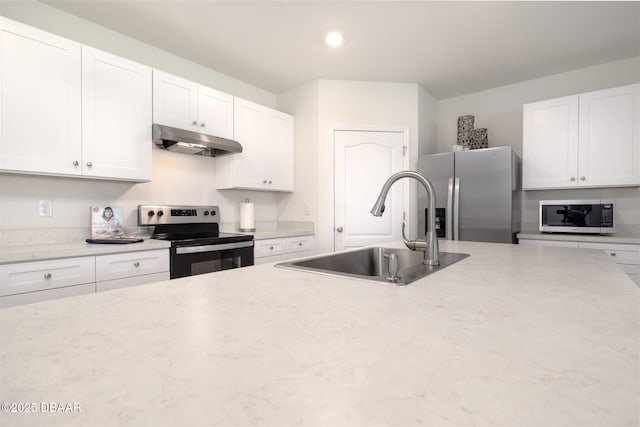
(613, 254)
(271, 247)
(300, 244)
(47, 276)
(75, 163)
(136, 264)
(89, 164)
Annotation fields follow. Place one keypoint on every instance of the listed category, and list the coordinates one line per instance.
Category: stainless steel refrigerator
(477, 194)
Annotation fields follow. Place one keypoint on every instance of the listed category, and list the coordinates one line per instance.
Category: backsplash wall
(177, 179)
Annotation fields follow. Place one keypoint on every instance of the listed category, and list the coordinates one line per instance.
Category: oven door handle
(212, 248)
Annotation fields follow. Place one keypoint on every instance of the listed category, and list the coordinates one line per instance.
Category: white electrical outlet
(307, 209)
(44, 207)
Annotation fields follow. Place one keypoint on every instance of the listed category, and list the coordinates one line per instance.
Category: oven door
(193, 260)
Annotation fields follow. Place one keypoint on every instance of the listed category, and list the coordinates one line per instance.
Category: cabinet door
(40, 101)
(175, 101)
(249, 166)
(550, 143)
(609, 153)
(279, 140)
(116, 117)
(215, 112)
(40, 275)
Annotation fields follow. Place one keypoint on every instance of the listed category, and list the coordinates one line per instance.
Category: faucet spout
(430, 244)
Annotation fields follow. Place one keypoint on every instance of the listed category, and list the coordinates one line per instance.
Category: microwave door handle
(449, 212)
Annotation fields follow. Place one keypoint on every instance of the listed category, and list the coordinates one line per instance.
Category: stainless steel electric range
(197, 246)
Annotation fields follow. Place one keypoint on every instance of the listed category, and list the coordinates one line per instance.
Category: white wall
(318, 107)
(303, 102)
(500, 111)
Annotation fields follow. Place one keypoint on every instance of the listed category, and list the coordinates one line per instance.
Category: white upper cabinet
(609, 137)
(116, 116)
(40, 121)
(183, 104)
(586, 140)
(266, 161)
(70, 110)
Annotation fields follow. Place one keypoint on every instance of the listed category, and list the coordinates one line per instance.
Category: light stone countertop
(11, 254)
(512, 335)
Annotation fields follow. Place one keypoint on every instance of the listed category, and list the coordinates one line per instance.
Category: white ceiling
(449, 48)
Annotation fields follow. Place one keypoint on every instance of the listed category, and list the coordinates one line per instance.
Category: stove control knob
(213, 213)
(160, 213)
(206, 213)
(150, 213)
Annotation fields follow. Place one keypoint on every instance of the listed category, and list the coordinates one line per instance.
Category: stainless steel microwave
(577, 216)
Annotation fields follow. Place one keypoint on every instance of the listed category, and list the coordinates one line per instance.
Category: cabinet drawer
(299, 244)
(118, 266)
(41, 275)
(269, 247)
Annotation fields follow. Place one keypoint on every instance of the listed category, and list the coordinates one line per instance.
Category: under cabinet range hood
(189, 142)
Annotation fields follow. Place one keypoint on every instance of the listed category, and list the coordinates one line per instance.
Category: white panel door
(550, 143)
(175, 101)
(609, 151)
(40, 127)
(116, 116)
(363, 162)
(215, 112)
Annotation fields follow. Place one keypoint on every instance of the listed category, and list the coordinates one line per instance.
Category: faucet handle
(414, 245)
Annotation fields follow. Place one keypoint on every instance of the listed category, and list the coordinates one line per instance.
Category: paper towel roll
(247, 220)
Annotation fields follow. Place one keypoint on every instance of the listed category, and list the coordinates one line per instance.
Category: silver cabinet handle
(573, 178)
(339, 229)
(195, 123)
(264, 182)
(136, 264)
(47, 276)
(582, 178)
(89, 164)
(300, 244)
(202, 125)
(270, 248)
(269, 181)
(76, 163)
(613, 254)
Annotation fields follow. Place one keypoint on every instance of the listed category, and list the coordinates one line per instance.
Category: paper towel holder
(247, 221)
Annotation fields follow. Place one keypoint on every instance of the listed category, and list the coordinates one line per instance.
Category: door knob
(339, 229)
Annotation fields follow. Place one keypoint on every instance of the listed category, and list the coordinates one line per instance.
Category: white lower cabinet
(28, 282)
(131, 268)
(282, 249)
(626, 256)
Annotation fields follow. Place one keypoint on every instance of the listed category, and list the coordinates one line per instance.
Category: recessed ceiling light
(334, 38)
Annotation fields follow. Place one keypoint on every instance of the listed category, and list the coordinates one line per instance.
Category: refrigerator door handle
(449, 212)
(456, 209)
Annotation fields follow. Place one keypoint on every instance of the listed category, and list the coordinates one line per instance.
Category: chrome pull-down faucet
(430, 244)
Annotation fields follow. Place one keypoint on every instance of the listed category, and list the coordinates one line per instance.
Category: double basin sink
(373, 264)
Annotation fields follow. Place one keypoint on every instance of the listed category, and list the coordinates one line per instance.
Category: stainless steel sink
(373, 264)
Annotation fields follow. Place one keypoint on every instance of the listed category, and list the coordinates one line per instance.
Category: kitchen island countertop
(512, 335)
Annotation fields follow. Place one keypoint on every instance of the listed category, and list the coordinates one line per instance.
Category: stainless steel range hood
(188, 142)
